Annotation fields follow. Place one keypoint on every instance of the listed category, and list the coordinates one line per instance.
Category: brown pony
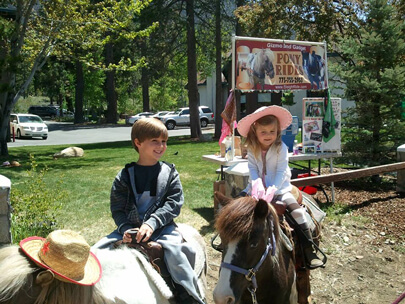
(257, 262)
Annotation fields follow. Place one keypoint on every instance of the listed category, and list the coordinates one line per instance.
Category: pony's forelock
(235, 220)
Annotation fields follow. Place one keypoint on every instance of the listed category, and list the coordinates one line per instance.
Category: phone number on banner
(290, 79)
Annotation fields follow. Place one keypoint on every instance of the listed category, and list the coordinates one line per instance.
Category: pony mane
(14, 271)
(236, 219)
(262, 56)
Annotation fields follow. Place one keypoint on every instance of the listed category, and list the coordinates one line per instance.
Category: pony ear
(261, 209)
(44, 278)
(221, 199)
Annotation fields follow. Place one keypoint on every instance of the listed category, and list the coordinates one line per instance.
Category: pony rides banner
(270, 64)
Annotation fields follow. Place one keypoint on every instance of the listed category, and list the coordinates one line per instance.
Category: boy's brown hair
(148, 128)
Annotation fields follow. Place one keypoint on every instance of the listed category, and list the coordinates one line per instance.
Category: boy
(148, 195)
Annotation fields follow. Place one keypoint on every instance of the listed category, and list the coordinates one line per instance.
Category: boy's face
(151, 150)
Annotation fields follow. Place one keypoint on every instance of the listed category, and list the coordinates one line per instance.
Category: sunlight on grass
(87, 182)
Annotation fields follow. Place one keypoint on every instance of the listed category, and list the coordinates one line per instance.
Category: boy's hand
(144, 233)
(127, 237)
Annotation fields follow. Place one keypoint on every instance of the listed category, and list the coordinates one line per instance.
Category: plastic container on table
(288, 135)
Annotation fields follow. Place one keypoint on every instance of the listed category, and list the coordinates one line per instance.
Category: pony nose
(224, 299)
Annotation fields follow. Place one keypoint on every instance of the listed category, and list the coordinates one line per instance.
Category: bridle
(250, 274)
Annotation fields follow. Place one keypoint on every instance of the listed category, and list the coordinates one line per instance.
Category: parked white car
(160, 113)
(28, 125)
(132, 119)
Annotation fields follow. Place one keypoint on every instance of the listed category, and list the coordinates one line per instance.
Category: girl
(268, 160)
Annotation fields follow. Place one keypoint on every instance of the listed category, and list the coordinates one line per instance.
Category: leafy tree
(374, 75)
(68, 29)
(300, 20)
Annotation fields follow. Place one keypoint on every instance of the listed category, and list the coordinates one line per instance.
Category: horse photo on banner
(270, 64)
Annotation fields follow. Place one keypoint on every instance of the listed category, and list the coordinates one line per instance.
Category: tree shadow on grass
(208, 214)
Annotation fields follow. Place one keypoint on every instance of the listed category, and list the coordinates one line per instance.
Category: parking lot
(62, 133)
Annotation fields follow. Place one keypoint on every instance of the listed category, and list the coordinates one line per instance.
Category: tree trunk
(5, 125)
(145, 90)
(276, 98)
(238, 30)
(111, 116)
(79, 93)
(60, 103)
(376, 129)
(219, 106)
(195, 128)
(145, 80)
(252, 102)
(6, 77)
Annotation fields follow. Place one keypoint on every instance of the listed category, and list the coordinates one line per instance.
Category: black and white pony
(128, 278)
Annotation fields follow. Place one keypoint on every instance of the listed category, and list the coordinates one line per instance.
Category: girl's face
(266, 135)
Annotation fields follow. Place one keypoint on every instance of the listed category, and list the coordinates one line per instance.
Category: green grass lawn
(86, 182)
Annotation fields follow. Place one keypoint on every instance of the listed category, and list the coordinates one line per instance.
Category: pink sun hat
(283, 115)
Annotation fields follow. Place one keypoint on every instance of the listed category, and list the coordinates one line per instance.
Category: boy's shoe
(181, 295)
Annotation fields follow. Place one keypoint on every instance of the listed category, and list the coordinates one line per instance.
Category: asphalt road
(68, 134)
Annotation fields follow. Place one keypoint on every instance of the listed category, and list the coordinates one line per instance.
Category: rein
(250, 274)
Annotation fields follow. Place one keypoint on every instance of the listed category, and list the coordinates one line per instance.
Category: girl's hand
(144, 233)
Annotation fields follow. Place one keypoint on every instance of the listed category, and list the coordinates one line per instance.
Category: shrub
(35, 205)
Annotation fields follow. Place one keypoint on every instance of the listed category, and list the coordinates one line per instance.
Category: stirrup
(302, 236)
(323, 260)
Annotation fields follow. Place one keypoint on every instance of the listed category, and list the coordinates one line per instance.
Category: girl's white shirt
(278, 173)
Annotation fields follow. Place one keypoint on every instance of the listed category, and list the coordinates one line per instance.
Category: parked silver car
(160, 113)
(132, 119)
(181, 117)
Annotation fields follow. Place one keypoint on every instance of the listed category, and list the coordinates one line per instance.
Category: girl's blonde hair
(251, 139)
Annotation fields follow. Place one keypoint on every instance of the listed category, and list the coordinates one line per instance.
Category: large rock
(5, 209)
(70, 152)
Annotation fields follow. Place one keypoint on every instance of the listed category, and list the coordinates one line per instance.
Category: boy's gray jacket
(169, 199)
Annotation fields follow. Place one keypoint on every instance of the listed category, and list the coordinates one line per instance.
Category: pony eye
(254, 245)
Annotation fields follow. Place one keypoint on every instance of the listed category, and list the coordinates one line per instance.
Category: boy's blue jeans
(179, 257)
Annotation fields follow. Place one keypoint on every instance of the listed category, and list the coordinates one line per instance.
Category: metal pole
(233, 89)
(332, 184)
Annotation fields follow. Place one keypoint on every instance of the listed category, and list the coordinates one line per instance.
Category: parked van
(27, 125)
(44, 111)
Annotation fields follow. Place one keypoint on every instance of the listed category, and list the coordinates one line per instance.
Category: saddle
(314, 214)
(152, 251)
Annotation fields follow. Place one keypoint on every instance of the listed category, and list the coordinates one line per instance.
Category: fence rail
(335, 177)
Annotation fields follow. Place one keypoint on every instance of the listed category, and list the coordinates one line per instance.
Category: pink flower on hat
(45, 248)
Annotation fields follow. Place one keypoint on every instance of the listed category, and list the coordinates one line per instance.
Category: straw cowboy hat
(283, 115)
(66, 254)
